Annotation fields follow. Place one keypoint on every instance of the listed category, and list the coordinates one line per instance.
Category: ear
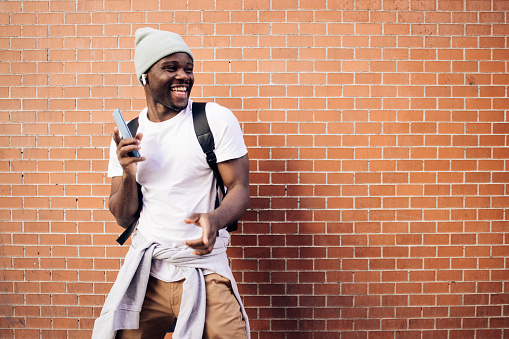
(144, 79)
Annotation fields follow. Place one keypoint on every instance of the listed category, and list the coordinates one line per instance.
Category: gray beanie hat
(151, 45)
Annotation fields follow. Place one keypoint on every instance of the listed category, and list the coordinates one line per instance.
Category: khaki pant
(223, 318)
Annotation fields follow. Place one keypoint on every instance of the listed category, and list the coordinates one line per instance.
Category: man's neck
(159, 113)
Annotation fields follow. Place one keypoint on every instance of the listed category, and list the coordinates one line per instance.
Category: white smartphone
(124, 130)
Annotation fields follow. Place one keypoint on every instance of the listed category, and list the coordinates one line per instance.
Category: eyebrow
(173, 62)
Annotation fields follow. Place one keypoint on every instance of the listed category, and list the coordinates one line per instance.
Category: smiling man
(176, 266)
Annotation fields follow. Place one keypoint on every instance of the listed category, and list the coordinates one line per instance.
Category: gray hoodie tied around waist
(122, 307)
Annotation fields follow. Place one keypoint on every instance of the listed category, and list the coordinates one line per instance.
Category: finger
(193, 219)
(125, 150)
(127, 161)
(202, 252)
(199, 247)
(124, 144)
(116, 135)
(195, 243)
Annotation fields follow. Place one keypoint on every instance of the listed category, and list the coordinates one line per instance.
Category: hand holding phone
(124, 130)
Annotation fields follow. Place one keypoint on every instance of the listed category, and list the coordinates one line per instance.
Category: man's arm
(235, 175)
(124, 200)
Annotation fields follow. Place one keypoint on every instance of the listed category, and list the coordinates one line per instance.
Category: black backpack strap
(206, 140)
(133, 128)
(127, 232)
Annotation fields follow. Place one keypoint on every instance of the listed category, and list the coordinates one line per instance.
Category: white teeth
(179, 89)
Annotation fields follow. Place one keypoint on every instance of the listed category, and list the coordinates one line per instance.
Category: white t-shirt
(175, 177)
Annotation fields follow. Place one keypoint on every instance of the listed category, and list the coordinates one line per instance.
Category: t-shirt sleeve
(114, 168)
(225, 127)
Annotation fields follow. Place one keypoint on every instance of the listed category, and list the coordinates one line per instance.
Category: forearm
(124, 200)
(235, 175)
(233, 206)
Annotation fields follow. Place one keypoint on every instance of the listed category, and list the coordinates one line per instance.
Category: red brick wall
(377, 132)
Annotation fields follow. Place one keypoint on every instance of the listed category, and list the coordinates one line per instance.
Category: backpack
(206, 140)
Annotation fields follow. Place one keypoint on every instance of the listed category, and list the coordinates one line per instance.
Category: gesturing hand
(205, 244)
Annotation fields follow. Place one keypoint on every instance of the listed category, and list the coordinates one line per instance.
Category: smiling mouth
(179, 90)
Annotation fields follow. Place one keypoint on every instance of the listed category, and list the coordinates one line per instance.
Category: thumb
(116, 135)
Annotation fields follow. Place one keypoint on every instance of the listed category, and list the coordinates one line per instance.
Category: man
(176, 266)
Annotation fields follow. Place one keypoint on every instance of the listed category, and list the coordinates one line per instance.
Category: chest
(172, 154)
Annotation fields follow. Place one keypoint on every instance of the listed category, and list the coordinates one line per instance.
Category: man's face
(170, 81)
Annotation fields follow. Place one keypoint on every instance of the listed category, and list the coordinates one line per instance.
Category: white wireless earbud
(144, 79)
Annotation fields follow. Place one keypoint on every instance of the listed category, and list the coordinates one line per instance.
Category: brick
(379, 160)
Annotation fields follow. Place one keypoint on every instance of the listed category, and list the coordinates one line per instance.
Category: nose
(182, 74)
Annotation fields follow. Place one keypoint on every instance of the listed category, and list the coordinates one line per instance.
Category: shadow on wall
(299, 277)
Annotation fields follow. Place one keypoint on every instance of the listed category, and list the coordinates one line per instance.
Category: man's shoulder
(220, 117)
(216, 111)
(136, 120)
